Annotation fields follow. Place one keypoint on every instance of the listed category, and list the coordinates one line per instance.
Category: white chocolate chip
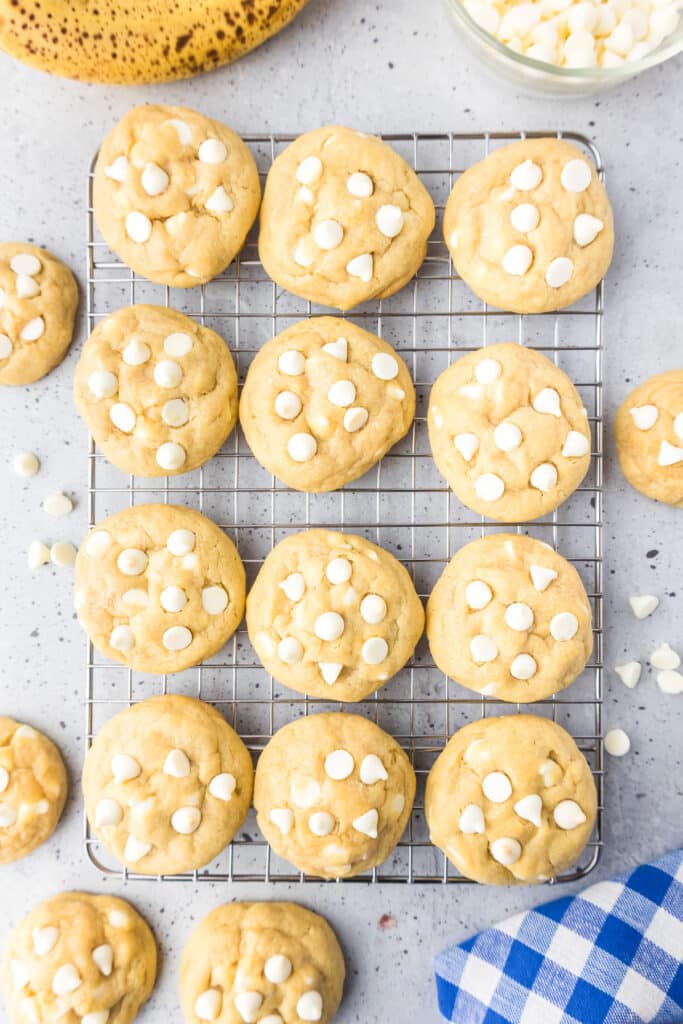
(290, 650)
(186, 820)
(367, 824)
(123, 417)
(310, 1006)
(629, 673)
(288, 405)
(360, 185)
(248, 1005)
(541, 577)
(524, 218)
(617, 743)
(214, 600)
(328, 234)
(373, 609)
(471, 821)
(564, 626)
(517, 260)
(505, 851)
(372, 770)
(497, 787)
(526, 176)
(58, 504)
(389, 220)
(329, 626)
(669, 454)
(338, 570)
(103, 957)
(293, 586)
(586, 229)
(171, 456)
(550, 772)
(664, 657)
(176, 638)
(483, 649)
(342, 393)
(174, 412)
(489, 487)
(487, 370)
(548, 401)
(374, 650)
(6, 346)
(219, 201)
(330, 671)
(576, 176)
(355, 419)
(132, 561)
(467, 444)
(136, 353)
(292, 363)
(507, 436)
(305, 195)
(321, 823)
(8, 816)
(107, 812)
(118, 919)
(576, 445)
(122, 638)
(208, 1005)
(478, 594)
(670, 681)
(523, 667)
(559, 271)
(339, 765)
(222, 786)
(154, 180)
(45, 939)
(63, 554)
(66, 980)
(38, 554)
(102, 383)
(384, 366)
(4, 779)
(181, 542)
(25, 464)
(361, 266)
(26, 287)
(117, 170)
(283, 819)
(177, 764)
(167, 373)
(304, 255)
(519, 616)
(339, 349)
(277, 969)
(33, 330)
(543, 477)
(529, 808)
(178, 344)
(212, 151)
(26, 263)
(568, 815)
(309, 170)
(643, 605)
(97, 543)
(138, 227)
(678, 425)
(644, 416)
(124, 768)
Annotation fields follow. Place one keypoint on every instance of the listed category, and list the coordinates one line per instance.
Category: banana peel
(125, 42)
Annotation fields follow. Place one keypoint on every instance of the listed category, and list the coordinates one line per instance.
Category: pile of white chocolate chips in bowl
(579, 33)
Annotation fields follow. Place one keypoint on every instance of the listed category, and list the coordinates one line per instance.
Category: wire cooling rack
(402, 504)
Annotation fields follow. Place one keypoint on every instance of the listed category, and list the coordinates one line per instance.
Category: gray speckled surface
(389, 65)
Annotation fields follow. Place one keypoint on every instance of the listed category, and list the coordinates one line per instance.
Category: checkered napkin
(609, 955)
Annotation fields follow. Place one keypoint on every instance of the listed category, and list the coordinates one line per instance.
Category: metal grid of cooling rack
(402, 504)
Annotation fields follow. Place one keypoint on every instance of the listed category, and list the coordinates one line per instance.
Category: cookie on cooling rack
(157, 390)
(33, 788)
(277, 963)
(175, 194)
(77, 957)
(511, 799)
(333, 615)
(159, 587)
(510, 618)
(509, 432)
(167, 783)
(344, 218)
(333, 794)
(648, 431)
(323, 402)
(530, 227)
(38, 301)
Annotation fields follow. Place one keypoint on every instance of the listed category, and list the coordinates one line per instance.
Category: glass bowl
(548, 78)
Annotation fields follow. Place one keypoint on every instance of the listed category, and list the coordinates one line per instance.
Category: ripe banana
(129, 41)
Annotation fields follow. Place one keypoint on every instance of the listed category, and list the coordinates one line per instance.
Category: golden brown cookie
(333, 615)
(530, 227)
(77, 957)
(509, 432)
(323, 402)
(511, 799)
(167, 783)
(344, 218)
(648, 430)
(333, 794)
(157, 390)
(38, 302)
(175, 194)
(510, 618)
(159, 587)
(276, 963)
(33, 788)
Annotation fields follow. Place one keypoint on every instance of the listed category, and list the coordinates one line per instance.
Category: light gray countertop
(391, 65)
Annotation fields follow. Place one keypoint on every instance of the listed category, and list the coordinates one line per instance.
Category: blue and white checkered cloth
(609, 955)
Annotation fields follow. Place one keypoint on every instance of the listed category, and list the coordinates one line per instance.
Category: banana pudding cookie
(275, 963)
(333, 615)
(530, 227)
(38, 302)
(510, 618)
(323, 402)
(175, 194)
(167, 783)
(159, 587)
(33, 789)
(333, 794)
(509, 432)
(157, 391)
(344, 218)
(511, 799)
(77, 957)
(648, 430)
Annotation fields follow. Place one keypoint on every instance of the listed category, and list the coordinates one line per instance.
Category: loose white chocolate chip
(483, 649)
(154, 180)
(670, 681)
(186, 820)
(339, 349)
(361, 266)
(617, 743)
(342, 393)
(26, 287)
(305, 792)
(176, 638)
(122, 638)
(102, 383)
(45, 940)
(471, 821)
(214, 600)
(487, 370)
(124, 768)
(519, 616)
(132, 561)
(669, 454)
(543, 477)
(372, 770)
(489, 487)
(384, 366)
(174, 412)
(517, 260)
(107, 812)
(643, 605)
(177, 764)
(25, 263)
(497, 787)
(542, 577)
(389, 220)
(548, 401)
(66, 980)
(329, 626)
(33, 330)
(529, 808)
(321, 823)
(467, 444)
(576, 176)
(339, 765)
(58, 504)
(629, 673)
(219, 201)
(103, 956)
(524, 218)
(374, 650)
(505, 851)
(118, 169)
(181, 542)
(664, 657)
(360, 185)
(208, 1005)
(338, 570)
(138, 227)
(302, 447)
(178, 344)
(568, 815)
(328, 234)
(277, 969)
(507, 436)
(373, 609)
(526, 176)
(330, 671)
(290, 650)
(478, 594)
(559, 271)
(25, 464)
(309, 170)
(288, 405)
(212, 151)
(167, 373)
(576, 445)
(564, 626)
(586, 229)
(355, 419)
(523, 667)
(644, 416)
(293, 586)
(283, 819)
(38, 554)
(171, 456)
(310, 1006)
